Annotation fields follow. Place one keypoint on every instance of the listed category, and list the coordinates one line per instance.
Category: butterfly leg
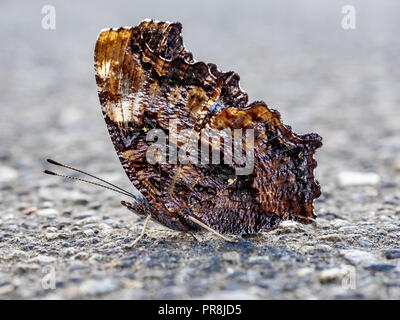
(146, 221)
(193, 236)
(141, 209)
(204, 226)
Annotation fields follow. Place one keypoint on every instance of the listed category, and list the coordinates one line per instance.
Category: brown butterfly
(146, 81)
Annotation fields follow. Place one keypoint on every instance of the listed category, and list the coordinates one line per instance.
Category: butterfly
(146, 80)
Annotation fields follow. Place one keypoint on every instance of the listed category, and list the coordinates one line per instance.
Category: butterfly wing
(147, 80)
(138, 93)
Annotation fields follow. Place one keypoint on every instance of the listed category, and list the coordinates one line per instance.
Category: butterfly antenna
(90, 175)
(90, 182)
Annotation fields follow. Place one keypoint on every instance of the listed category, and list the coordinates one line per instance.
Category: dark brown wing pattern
(146, 79)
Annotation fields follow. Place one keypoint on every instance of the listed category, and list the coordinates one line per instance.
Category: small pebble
(392, 254)
(353, 178)
(291, 227)
(29, 211)
(42, 259)
(381, 267)
(8, 174)
(95, 206)
(81, 201)
(262, 260)
(397, 163)
(51, 235)
(81, 256)
(355, 256)
(392, 228)
(322, 248)
(364, 242)
(95, 240)
(231, 257)
(329, 275)
(97, 287)
(88, 232)
(47, 212)
(69, 252)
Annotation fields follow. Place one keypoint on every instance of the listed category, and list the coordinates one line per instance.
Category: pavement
(65, 240)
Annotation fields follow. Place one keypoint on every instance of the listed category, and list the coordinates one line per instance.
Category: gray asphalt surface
(61, 240)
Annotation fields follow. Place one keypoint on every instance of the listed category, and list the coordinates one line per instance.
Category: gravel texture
(62, 240)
